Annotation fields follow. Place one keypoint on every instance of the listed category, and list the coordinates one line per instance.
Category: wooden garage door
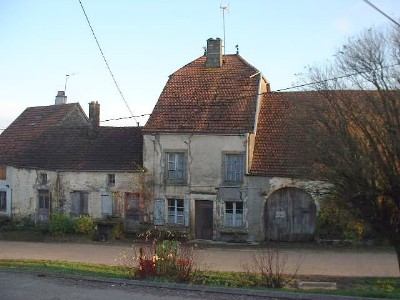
(290, 215)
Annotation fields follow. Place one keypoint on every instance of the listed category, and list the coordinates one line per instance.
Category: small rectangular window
(3, 201)
(43, 178)
(234, 167)
(3, 172)
(44, 199)
(111, 179)
(176, 211)
(233, 214)
(176, 166)
(79, 203)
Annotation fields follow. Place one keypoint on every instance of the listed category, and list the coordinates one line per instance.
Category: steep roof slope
(197, 99)
(56, 138)
(281, 139)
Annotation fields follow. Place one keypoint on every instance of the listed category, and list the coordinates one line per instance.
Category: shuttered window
(176, 166)
(176, 211)
(234, 167)
(79, 203)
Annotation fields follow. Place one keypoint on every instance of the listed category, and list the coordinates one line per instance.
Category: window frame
(175, 170)
(3, 201)
(82, 206)
(111, 179)
(237, 215)
(43, 178)
(176, 211)
(46, 200)
(229, 167)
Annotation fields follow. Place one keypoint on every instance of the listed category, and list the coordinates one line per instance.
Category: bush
(61, 224)
(85, 225)
(168, 259)
(336, 223)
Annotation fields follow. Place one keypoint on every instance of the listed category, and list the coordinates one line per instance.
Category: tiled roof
(56, 138)
(280, 139)
(282, 146)
(197, 99)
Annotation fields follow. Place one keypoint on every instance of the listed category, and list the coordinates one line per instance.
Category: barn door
(290, 215)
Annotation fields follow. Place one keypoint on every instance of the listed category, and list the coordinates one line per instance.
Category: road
(316, 261)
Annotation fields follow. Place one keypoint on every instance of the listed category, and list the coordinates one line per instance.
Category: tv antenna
(66, 80)
(224, 7)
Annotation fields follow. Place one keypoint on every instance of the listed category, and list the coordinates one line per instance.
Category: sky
(145, 41)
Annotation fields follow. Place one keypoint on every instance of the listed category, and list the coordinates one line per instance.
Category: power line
(105, 60)
(123, 118)
(380, 11)
(333, 78)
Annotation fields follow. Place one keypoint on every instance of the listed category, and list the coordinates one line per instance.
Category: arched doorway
(290, 215)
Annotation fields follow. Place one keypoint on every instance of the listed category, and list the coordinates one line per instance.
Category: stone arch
(289, 215)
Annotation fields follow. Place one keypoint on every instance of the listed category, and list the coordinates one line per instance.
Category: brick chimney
(214, 53)
(61, 98)
(94, 118)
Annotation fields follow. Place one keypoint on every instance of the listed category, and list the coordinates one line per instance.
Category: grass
(362, 287)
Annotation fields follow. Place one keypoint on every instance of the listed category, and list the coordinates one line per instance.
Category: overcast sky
(145, 41)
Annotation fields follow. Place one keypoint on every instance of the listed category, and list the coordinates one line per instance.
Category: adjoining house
(55, 158)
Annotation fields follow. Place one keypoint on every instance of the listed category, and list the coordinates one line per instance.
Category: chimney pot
(214, 53)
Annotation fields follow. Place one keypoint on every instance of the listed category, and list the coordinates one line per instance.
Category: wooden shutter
(186, 207)
(159, 211)
(106, 204)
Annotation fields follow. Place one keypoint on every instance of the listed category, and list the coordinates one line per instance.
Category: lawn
(362, 287)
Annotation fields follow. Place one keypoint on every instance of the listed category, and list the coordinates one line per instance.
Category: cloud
(342, 25)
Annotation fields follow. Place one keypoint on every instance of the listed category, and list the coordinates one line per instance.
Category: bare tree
(353, 128)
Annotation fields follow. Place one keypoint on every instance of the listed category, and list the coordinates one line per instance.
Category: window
(111, 179)
(176, 166)
(3, 201)
(43, 178)
(176, 211)
(234, 167)
(233, 214)
(79, 203)
(3, 172)
(44, 199)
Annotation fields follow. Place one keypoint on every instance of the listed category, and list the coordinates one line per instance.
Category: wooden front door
(204, 219)
(290, 215)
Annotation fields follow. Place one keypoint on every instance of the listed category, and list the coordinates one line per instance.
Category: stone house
(220, 169)
(55, 158)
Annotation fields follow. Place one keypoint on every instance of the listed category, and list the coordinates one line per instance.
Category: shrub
(117, 232)
(60, 224)
(158, 235)
(85, 225)
(168, 259)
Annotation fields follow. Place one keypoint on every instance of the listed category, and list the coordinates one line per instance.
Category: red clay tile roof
(56, 138)
(197, 99)
(281, 146)
(280, 140)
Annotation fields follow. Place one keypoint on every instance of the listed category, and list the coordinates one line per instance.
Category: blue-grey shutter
(74, 209)
(186, 208)
(159, 211)
(106, 203)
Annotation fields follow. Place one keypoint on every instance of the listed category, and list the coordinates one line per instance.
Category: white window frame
(234, 167)
(234, 215)
(176, 166)
(176, 212)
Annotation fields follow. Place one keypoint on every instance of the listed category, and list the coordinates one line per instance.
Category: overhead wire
(105, 60)
(382, 12)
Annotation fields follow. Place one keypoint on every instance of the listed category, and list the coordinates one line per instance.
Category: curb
(196, 288)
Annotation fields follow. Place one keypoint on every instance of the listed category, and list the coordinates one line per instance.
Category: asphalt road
(318, 261)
